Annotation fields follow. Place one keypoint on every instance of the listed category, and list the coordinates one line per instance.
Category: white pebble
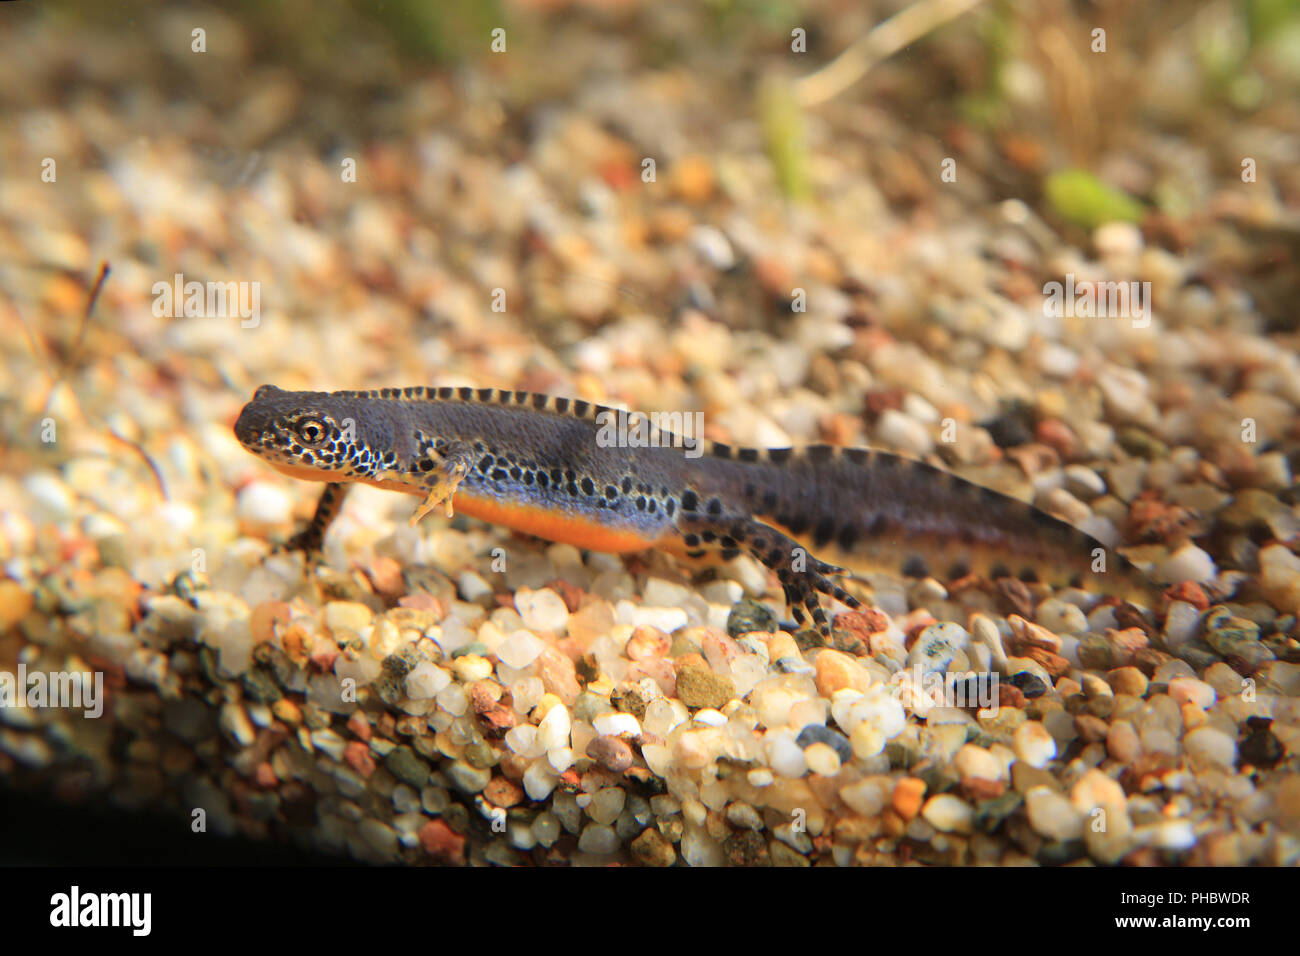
(519, 650)
(472, 587)
(1188, 563)
(261, 502)
(976, 762)
(897, 430)
(1052, 815)
(1083, 482)
(554, 729)
(949, 813)
(1182, 624)
(1211, 745)
(616, 724)
(539, 780)
(522, 740)
(542, 610)
(1189, 690)
(711, 717)
(425, 680)
(1033, 744)
(560, 759)
(597, 838)
(785, 756)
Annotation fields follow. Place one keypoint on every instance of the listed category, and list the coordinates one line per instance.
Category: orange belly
(531, 519)
(551, 524)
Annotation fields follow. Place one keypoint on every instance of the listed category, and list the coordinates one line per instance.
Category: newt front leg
(441, 471)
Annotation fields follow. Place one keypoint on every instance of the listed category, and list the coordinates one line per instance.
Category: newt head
(311, 435)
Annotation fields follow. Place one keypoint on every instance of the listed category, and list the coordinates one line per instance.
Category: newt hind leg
(802, 576)
(311, 538)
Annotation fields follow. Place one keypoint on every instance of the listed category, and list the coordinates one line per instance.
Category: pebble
(347, 617)
(539, 780)
(542, 611)
(519, 650)
(612, 753)
(907, 796)
(698, 686)
(618, 724)
(904, 433)
(599, 839)
(1182, 624)
(1128, 680)
(1033, 744)
(1188, 563)
(786, 757)
(554, 729)
(1211, 746)
(821, 734)
(974, 762)
(868, 796)
(1189, 690)
(822, 759)
(426, 680)
(949, 813)
(264, 503)
(1060, 617)
(1052, 815)
(1083, 482)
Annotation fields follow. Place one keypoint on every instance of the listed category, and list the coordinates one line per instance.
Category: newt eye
(311, 431)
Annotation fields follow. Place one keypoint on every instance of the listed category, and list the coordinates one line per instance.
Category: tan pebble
(1090, 728)
(692, 751)
(836, 671)
(949, 813)
(699, 686)
(651, 849)
(1096, 789)
(287, 711)
(1126, 643)
(1122, 742)
(1093, 685)
(558, 674)
(1067, 687)
(822, 759)
(14, 603)
(265, 616)
(471, 667)
(611, 753)
(1127, 680)
(974, 762)
(867, 741)
(385, 575)
(347, 616)
(782, 645)
(1033, 744)
(1193, 717)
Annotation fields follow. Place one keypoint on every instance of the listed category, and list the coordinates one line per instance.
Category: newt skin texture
(536, 463)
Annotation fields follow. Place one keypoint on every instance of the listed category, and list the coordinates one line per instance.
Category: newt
(538, 464)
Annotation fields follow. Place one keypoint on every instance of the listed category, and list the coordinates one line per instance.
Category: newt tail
(545, 466)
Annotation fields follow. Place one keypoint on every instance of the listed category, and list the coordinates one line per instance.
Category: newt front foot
(443, 479)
